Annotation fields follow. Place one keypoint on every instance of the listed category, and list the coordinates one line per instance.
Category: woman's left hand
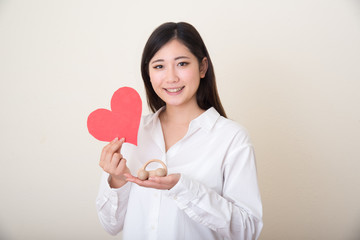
(163, 183)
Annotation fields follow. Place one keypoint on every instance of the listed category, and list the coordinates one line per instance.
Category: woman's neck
(182, 115)
(175, 121)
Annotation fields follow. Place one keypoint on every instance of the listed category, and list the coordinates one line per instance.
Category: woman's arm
(237, 212)
(114, 191)
(233, 220)
(111, 205)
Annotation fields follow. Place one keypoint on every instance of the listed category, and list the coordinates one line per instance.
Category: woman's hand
(112, 162)
(163, 183)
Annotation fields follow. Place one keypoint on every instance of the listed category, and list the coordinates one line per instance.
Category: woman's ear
(203, 67)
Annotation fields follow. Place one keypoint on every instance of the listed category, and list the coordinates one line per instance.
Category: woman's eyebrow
(162, 60)
(157, 60)
(181, 57)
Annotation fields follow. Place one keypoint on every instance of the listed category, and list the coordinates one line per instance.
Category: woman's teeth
(173, 90)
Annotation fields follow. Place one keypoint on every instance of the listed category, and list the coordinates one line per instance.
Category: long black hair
(207, 95)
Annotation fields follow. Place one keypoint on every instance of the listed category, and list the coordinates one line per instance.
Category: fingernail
(115, 139)
(122, 139)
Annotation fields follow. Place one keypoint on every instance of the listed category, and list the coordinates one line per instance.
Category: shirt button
(152, 227)
(156, 195)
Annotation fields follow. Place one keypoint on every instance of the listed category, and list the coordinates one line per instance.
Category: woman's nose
(171, 75)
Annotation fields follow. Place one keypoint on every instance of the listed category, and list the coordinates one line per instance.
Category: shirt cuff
(116, 196)
(121, 193)
(184, 191)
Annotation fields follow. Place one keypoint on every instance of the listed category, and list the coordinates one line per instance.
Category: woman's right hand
(112, 162)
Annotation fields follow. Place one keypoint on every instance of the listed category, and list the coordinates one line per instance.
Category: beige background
(287, 70)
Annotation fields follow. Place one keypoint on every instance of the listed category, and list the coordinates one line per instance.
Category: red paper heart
(122, 121)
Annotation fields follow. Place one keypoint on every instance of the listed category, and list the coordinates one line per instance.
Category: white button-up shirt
(217, 196)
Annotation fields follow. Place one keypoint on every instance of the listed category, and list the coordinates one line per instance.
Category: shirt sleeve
(236, 213)
(111, 205)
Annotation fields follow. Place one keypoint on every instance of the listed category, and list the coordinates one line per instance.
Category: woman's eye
(182, 64)
(158, 66)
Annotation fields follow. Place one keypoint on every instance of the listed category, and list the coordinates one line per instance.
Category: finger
(108, 146)
(121, 167)
(116, 146)
(146, 183)
(116, 158)
(113, 147)
(167, 182)
(131, 178)
(160, 180)
(105, 152)
(152, 184)
(138, 181)
(122, 163)
(122, 140)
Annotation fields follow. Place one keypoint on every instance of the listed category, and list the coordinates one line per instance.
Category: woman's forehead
(172, 50)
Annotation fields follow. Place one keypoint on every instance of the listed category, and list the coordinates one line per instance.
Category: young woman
(211, 189)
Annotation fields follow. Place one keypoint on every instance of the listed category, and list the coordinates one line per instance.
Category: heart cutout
(122, 121)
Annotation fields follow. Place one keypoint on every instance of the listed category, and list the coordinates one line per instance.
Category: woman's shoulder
(211, 119)
(229, 125)
(232, 129)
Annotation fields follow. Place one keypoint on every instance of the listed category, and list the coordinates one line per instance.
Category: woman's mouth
(174, 90)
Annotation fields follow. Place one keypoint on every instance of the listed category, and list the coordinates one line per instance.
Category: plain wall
(289, 71)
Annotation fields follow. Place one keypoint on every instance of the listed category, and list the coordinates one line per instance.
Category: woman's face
(175, 74)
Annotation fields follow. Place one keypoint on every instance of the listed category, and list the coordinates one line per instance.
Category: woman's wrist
(116, 182)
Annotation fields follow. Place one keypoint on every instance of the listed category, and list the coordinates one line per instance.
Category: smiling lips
(174, 90)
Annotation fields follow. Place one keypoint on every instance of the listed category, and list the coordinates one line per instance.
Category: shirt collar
(206, 120)
(151, 121)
